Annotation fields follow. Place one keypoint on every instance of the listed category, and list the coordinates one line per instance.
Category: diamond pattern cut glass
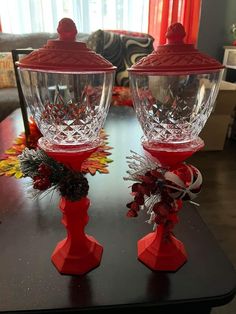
(70, 109)
(174, 90)
(68, 88)
(173, 109)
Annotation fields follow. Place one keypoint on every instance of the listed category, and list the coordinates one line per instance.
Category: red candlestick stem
(79, 252)
(160, 250)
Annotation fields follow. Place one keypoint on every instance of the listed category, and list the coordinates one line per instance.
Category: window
(26, 16)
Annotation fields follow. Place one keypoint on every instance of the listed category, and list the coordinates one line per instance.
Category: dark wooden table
(30, 230)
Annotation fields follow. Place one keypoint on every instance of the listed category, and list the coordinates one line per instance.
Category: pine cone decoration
(73, 186)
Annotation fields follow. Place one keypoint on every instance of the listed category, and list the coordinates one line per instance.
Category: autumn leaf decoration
(10, 166)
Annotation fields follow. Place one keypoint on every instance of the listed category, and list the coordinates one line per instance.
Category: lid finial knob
(67, 30)
(175, 34)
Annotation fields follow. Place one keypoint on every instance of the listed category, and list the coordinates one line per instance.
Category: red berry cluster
(153, 182)
(42, 180)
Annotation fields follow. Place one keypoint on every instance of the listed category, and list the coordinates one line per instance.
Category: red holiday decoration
(69, 96)
(173, 91)
(77, 253)
(161, 192)
(184, 182)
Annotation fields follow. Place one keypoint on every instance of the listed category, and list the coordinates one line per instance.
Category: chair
(16, 55)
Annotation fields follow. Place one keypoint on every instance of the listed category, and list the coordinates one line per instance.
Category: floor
(217, 201)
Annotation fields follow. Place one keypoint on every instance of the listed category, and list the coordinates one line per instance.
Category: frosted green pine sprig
(50, 174)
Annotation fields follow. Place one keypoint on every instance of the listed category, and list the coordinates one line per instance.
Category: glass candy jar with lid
(68, 89)
(173, 90)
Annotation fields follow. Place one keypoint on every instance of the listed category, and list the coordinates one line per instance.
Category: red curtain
(163, 13)
(0, 26)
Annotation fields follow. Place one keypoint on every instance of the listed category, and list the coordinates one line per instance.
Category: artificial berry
(135, 206)
(35, 178)
(131, 213)
(148, 179)
(161, 208)
(136, 187)
(144, 189)
(42, 184)
(139, 199)
(152, 187)
(157, 174)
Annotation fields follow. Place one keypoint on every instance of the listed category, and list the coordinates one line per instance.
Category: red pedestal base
(169, 154)
(160, 250)
(79, 252)
(160, 253)
(67, 263)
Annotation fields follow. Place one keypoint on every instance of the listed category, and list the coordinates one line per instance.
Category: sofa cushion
(128, 33)
(7, 74)
(95, 41)
(122, 50)
(9, 42)
(113, 51)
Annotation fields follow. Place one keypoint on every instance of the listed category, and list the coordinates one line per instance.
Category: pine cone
(73, 186)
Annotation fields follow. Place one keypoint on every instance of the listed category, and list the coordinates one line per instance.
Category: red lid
(176, 57)
(65, 54)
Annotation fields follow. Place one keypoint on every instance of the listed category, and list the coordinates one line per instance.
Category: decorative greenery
(74, 185)
(21, 161)
(48, 173)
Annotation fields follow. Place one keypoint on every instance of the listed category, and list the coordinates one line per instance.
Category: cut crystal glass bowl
(173, 108)
(69, 109)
